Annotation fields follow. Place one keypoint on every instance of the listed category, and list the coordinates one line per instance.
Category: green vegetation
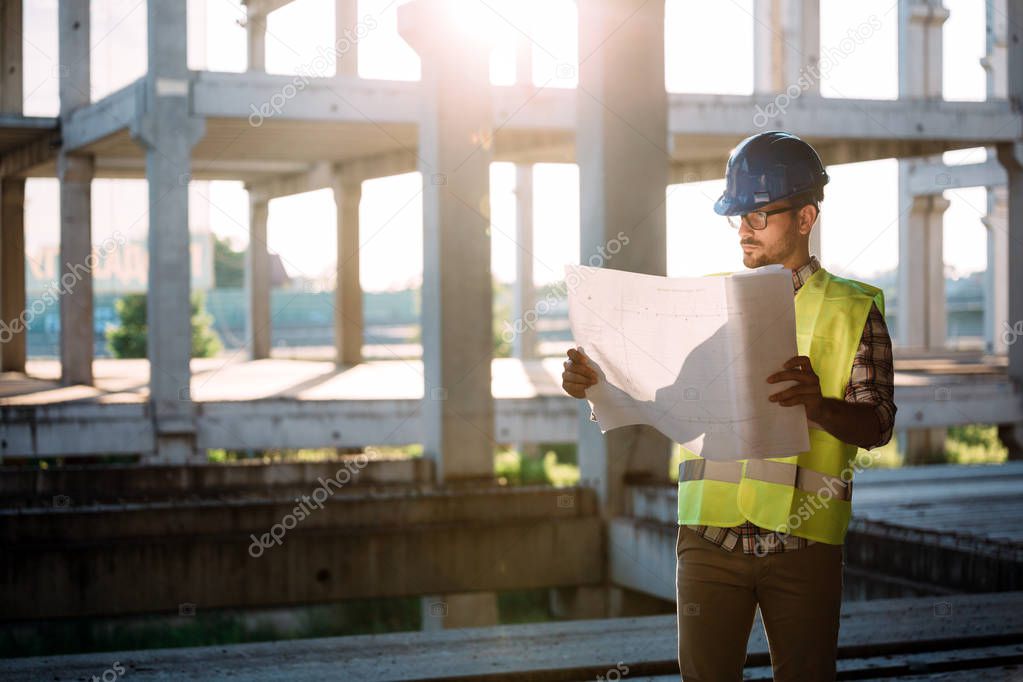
(549, 469)
(974, 444)
(228, 265)
(128, 339)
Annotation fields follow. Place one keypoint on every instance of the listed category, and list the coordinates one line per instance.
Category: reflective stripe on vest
(808, 494)
(782, 473)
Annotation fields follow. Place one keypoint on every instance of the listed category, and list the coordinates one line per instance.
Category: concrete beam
(455, 152)
(150, 558)
(93, 122)
(72, 430)
(621, 142)
(168, 130)
(90, 484)
(304, 98)
(349, 324)
(258, 323)
(854, 120)
(926, 178)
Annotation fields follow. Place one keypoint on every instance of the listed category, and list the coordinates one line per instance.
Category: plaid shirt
(871, 382)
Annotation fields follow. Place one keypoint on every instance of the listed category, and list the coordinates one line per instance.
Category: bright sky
(708, 49)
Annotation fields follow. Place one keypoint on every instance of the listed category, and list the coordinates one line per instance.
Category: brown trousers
(799, 593)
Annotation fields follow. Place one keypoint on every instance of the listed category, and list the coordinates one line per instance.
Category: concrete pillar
(455, 151)
(921, 309)
(1010, 155)
(346, 18)
(258, 326)
(466, 610)
(524, 293)
(621, 143)
(786, 44)
(75, 173)
(922, 318)
(786, 51)
(168, 132)
(13, 335)
(255, 37)
(578, 603)
(348, 317)
(922, 446)
(996, 299)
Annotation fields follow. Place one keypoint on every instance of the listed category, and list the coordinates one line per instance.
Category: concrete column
(455, 151)
(258, 327)
(348, 317)
(255, 37)
(346, 18)
(996, 300)
(922, 317)
(786, 44)
(75, 173)
(621, 139)
(1010, 155)
(922, 446)
(524, 306)
(168, 132)
(465, 610)
(921, 309)
(13, 336)
(786, 51)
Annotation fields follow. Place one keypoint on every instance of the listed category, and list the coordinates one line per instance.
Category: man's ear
(806, 217)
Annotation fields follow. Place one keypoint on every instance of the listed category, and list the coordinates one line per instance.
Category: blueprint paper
(691, 357)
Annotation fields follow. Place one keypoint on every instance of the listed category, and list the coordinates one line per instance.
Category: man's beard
(761, 257)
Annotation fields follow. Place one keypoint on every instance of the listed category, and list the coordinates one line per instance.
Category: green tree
(128, 339)
(228, 265)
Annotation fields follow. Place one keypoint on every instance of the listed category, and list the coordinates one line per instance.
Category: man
(769, 533)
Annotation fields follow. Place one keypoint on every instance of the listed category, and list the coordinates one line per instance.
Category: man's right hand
(578, 375)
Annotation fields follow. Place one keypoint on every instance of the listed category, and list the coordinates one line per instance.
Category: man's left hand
(806, 392)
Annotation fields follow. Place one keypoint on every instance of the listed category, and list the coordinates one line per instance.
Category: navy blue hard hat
(767, 167)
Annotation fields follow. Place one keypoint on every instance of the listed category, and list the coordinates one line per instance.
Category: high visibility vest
(809, 494)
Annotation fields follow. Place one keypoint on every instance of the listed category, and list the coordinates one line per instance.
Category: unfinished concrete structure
(630, 138)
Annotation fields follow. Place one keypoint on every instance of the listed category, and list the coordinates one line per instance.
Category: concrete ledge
(548, 651)
(90, 484)
(128, 559)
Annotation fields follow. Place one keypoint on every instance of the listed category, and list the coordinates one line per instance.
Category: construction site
(274, 512)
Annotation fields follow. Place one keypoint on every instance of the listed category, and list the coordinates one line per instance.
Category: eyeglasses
(757, 220)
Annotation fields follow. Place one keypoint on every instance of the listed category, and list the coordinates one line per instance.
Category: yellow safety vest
(809, 494)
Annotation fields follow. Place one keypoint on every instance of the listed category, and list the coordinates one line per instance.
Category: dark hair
(811, 197)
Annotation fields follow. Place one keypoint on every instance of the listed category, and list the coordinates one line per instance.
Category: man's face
(773, 244)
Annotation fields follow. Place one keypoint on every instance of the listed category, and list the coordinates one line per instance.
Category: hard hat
(767, 167)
